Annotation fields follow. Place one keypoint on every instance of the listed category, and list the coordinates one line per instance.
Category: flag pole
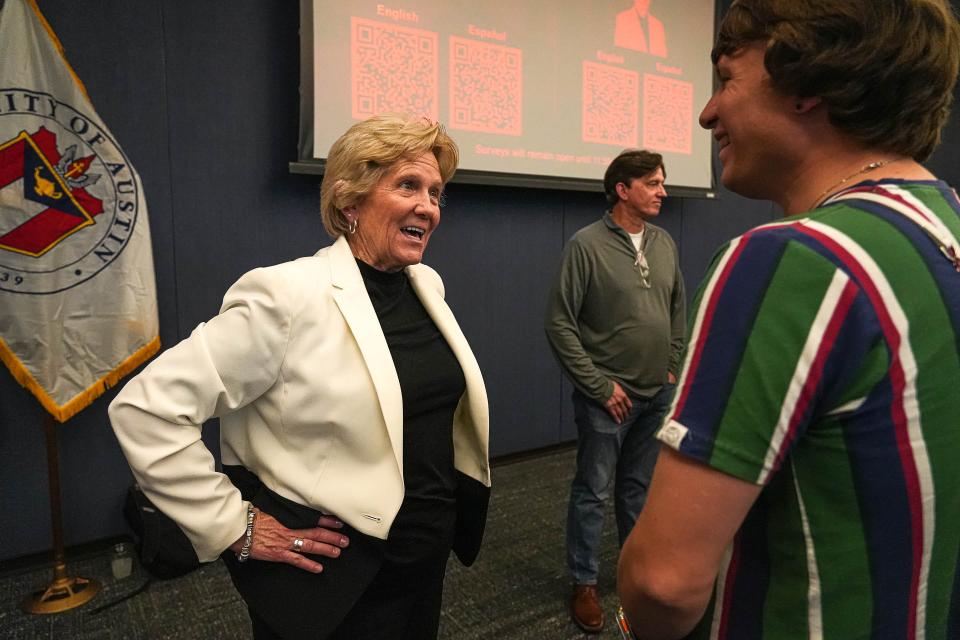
(64, 593)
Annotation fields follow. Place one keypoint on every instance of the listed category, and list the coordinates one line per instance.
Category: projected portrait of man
(637, 29)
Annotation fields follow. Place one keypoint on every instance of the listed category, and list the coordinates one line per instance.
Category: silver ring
(298, 544)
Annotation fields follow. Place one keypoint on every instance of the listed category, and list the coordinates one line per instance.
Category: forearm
(157, 419)
(656, 605)
(578, 365)
(678, 321)
(670, 561)
(676, 355)
(177, 473)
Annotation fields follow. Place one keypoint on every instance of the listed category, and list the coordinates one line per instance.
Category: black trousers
(402, 603)
(364, 593)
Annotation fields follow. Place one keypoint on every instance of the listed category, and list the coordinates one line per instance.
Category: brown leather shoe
(585, 608)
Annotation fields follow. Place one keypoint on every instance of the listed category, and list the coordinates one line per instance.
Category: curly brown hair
(885, 69)
(362, 155)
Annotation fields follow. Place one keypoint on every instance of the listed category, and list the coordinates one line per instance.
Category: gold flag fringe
(84, 399)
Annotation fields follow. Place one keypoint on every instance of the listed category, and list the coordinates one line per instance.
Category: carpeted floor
(517, 589)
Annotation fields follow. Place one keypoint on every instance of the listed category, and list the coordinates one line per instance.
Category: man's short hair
(630, 165)
(885, 69)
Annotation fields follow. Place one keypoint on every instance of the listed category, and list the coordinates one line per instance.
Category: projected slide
(525, 87)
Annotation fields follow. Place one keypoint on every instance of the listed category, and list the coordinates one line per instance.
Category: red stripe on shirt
(728, 589)
(880, 191)
(815, 374)
(707, 321)
(897, 410)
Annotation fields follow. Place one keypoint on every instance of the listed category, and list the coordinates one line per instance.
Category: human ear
(804, 105)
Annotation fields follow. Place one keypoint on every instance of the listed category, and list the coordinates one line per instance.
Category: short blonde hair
(360, 157)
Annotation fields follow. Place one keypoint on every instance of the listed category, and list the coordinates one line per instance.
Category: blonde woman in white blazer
(353, 416)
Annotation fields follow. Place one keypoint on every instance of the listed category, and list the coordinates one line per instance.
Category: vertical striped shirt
(823, 364)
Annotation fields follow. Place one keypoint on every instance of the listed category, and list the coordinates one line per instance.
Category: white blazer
(298, 370)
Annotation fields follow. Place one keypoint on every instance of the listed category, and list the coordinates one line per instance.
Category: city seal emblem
(68, 197)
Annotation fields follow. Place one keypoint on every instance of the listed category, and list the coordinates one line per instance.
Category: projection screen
(529, 89)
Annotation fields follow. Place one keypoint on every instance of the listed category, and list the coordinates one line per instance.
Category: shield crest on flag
(69, 202)
(41, 200)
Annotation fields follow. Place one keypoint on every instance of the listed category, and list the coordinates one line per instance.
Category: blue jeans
(610, 456)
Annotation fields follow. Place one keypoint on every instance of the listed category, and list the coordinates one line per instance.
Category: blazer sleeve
(224, 364)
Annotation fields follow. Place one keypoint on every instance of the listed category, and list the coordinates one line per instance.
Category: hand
(672, 379)
(273, 542)
(618, 404)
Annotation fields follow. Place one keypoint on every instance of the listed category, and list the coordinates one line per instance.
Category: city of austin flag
(78, 307)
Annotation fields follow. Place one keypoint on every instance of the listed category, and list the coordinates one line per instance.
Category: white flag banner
(78, 305)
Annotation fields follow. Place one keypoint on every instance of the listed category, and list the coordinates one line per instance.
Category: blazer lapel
(441, 315)
(437, 307)
(354, 303)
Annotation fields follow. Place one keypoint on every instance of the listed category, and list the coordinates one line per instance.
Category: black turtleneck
(431, 384)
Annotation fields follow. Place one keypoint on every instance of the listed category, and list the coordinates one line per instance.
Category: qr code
(395, 69)
(667, 114)
(611, 104)
(486, 87)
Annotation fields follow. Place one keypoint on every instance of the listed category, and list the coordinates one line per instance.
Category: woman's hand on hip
(273, 542)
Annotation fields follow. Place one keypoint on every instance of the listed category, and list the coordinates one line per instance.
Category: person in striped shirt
(809, 486)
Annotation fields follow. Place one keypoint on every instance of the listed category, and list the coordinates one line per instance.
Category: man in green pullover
(616, 321)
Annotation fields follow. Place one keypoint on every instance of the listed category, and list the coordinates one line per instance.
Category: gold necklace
(865, 169)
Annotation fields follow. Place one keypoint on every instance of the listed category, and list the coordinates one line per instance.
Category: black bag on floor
(163, 549)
